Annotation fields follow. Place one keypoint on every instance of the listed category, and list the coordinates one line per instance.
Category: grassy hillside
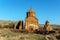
(7, 34)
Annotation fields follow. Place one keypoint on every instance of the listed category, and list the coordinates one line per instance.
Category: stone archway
(30, 28)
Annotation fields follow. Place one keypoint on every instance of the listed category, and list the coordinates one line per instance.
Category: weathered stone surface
(31, 22)
(19, 25)
(47, 26)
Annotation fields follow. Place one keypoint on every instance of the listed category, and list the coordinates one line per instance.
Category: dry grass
(6, 34)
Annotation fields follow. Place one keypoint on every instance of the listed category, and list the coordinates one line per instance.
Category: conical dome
(30, 13)
(31, 10)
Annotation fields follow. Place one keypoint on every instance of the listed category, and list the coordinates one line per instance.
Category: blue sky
(44, 9)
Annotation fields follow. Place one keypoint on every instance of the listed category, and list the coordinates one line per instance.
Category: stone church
(31, 22)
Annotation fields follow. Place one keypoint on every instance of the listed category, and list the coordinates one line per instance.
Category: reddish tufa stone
(20, 25)
(31, 22)
(47, 26)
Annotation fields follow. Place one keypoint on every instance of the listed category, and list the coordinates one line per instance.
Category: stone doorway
(30, 28)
